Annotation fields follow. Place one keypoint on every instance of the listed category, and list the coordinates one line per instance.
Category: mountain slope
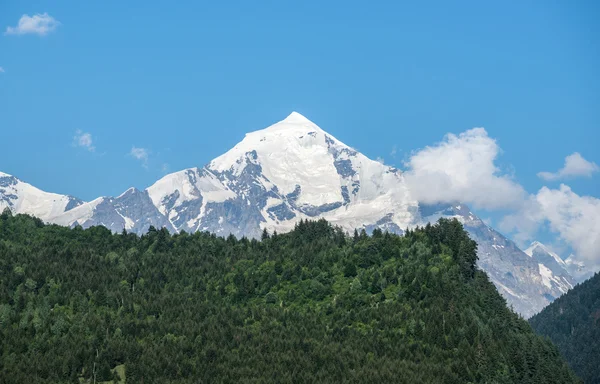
(133, 211)
(527, 283)
(572, 322)
(21, 197)
(294, 170)
(311, 305)
(552, 268)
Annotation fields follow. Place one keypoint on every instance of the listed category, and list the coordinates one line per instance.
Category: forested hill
(312, 305)
(573, 323)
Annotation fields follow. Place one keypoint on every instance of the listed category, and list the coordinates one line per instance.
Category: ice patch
(508, 290)
(128, 222)
(546, 275)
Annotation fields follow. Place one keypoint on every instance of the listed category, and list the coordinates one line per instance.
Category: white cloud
(2, 70)
(84, 140)
(461, 168)
(576, 220)
(380, 160)
(575, 165)
(394, 151)
(140, 154)
(39, 24)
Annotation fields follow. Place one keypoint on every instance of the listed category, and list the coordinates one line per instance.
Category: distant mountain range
(289, 171)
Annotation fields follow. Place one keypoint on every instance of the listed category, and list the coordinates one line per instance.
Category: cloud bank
(576, 220)
(462, 168)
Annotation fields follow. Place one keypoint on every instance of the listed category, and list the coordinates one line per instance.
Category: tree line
(311, 305)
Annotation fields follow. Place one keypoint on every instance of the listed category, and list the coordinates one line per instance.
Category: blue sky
(185, 80)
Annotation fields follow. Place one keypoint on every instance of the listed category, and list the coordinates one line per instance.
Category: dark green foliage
(265, 235)
(350, 269)
(306, 306)
(572, 322)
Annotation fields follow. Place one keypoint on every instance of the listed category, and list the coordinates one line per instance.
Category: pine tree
(265, 235)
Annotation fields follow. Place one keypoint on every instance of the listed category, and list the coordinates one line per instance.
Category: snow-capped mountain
(567, 272)
(570, 270)
(540, 251)
(279, 175)
(25, 198)
(133, 211)
(276, 176)
(552, 268)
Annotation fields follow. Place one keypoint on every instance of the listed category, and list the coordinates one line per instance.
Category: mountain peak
(297, 118)
(294, 124)
(128, 191)
(536, 245)
(295, 142)
(2, 174)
